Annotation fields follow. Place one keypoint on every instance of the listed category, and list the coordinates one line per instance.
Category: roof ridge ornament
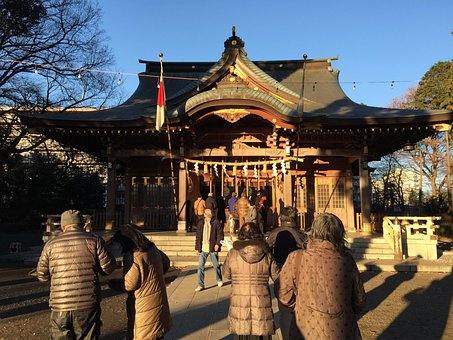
(234, 42)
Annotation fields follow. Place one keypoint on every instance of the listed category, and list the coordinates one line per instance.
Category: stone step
(372, 251)
(189, 244)
(187, 253)
(180, 247)
(184, 261)
(373, 256)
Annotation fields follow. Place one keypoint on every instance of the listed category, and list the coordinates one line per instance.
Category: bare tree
(49, 52)
(389, 190)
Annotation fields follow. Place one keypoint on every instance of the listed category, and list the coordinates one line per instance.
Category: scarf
(206, 236)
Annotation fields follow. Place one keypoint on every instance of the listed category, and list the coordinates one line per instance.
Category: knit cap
(71, 217)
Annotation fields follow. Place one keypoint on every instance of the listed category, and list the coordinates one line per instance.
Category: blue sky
(377, 41)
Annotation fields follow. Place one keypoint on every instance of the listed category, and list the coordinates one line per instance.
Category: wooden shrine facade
(283, 127)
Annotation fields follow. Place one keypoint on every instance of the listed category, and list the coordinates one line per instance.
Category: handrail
(404, 233)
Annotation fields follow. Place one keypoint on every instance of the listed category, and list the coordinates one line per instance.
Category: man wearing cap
(71, 262)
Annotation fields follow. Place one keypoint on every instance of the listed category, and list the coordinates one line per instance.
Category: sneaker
(220, 283)
(199, 288)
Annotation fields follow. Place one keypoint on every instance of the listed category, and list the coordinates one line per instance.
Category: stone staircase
(370, 248)
(180, 248)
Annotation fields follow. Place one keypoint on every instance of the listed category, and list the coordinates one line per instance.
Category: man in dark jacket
(284, 240)
(208, 237)
(71, 262)
(211, 203)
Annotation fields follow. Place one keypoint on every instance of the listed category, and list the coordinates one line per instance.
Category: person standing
(221, 207)
(286, 238)
(144, 266)
(233, 218)
(263, 206)
(231, 202)
(211, 203)
(71, 262)
(282, 241)
(327, 310)
(243, 205)
(207, 243)
(199, 206)
(249, 264)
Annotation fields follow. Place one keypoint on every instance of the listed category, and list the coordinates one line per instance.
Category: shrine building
(282, 127)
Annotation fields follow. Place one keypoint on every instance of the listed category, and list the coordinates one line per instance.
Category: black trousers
(77, 324)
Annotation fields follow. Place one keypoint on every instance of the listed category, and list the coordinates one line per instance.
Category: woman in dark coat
(249, 264)
(144, 265)
(322, 284)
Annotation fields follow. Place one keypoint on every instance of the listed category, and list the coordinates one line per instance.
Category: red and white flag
(160, 110)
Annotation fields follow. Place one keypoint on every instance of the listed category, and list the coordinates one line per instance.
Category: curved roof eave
(243, 97)
(40, 122)
(356, 114)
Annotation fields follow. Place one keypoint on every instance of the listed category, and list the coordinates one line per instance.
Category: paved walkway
(202, 315)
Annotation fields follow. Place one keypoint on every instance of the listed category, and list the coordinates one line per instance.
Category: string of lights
(80, 71)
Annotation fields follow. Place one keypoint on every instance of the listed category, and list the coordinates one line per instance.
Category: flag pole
(161, 100)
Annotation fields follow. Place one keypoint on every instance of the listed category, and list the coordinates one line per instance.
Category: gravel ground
(24, 309)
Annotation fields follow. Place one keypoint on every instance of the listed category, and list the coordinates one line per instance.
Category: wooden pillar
(182, 197)
(365, 195)
(287, 189)
(311, 203)
(278, 198)
(127, 197)
(111, 194)
(349, 192)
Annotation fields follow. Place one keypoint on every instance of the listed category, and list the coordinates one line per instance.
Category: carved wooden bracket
(232, 115)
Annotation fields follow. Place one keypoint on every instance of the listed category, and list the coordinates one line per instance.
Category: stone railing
(411, 235)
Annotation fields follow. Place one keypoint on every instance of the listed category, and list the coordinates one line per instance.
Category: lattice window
(323, 193)
(149, 194)
(338, 196)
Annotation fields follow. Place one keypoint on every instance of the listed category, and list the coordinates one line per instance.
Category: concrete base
(423, 247)
(181, 227)
(366, 226)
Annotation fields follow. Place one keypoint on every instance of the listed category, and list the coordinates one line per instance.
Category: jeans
(77, 324)
(215, 263)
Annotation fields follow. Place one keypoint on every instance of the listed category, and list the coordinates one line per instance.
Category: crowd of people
(316, 280)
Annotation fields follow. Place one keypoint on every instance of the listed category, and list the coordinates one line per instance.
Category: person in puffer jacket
(144, 265)
(249, 264)
(71, 262)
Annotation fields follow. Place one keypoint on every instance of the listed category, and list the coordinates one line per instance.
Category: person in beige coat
(144, 266)
(322, 285)
(249, 264)
(243, 205)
